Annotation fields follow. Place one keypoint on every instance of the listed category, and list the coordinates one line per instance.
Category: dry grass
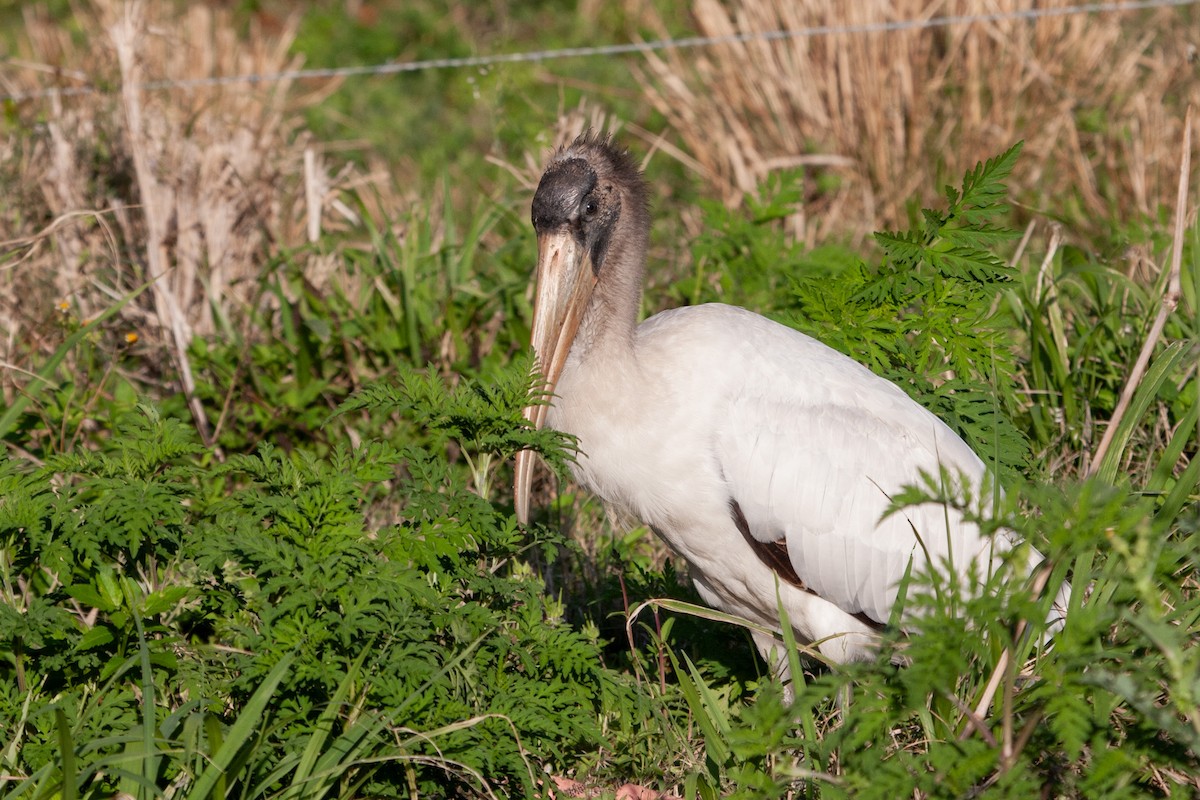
(187, 190)
(879, 120)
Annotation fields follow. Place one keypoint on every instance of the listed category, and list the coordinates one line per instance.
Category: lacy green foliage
(1076, 721)
(66, 548)
(485, 417)
(1110, 710)
(925, 317)
(446, 638)
(215, 574)
(743, 257)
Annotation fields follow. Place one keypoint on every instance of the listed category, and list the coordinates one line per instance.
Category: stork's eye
(590, 208)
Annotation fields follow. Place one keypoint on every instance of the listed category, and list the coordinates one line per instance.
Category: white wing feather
(822, 479)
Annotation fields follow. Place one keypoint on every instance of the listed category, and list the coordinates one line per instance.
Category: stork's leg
(773, 652)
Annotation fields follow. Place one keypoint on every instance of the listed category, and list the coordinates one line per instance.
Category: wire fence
(1031, 14)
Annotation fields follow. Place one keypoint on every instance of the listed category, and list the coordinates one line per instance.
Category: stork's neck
(608, 326)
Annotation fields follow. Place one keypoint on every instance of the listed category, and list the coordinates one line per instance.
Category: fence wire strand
(395, 68)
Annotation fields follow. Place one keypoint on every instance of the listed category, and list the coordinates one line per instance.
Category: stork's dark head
(585, 190)
(592, 221)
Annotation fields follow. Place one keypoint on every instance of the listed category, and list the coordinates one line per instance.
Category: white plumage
(747, 446)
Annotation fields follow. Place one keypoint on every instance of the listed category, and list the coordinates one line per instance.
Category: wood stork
(763, 457)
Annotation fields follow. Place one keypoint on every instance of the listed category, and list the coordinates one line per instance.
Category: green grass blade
(704, 612)
(802, 713)
(334, 764)
(316, 744)
(1163, 368)
(1184, 490)
(1174, 450)
(149, 701)
(713, 722)
(248, 720)
(215, 736)
(66, 744)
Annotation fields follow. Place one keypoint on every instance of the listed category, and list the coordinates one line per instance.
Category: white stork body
(763, 457)
(708, 408)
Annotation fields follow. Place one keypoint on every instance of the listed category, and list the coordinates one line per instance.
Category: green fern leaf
(983, 187)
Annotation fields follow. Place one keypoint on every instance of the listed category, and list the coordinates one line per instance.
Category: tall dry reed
(878, 121)
(186, 191)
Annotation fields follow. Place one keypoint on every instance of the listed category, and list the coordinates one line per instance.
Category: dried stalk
(1170, 300)
(156, 204)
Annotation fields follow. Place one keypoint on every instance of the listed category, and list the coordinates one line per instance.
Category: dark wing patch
(773, 554)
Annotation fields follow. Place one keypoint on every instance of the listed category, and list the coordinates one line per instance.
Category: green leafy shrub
(220, 572)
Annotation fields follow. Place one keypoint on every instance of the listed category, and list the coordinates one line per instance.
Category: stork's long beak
(565, 281)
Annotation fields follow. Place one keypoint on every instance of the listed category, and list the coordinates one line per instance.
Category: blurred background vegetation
(196, 278)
